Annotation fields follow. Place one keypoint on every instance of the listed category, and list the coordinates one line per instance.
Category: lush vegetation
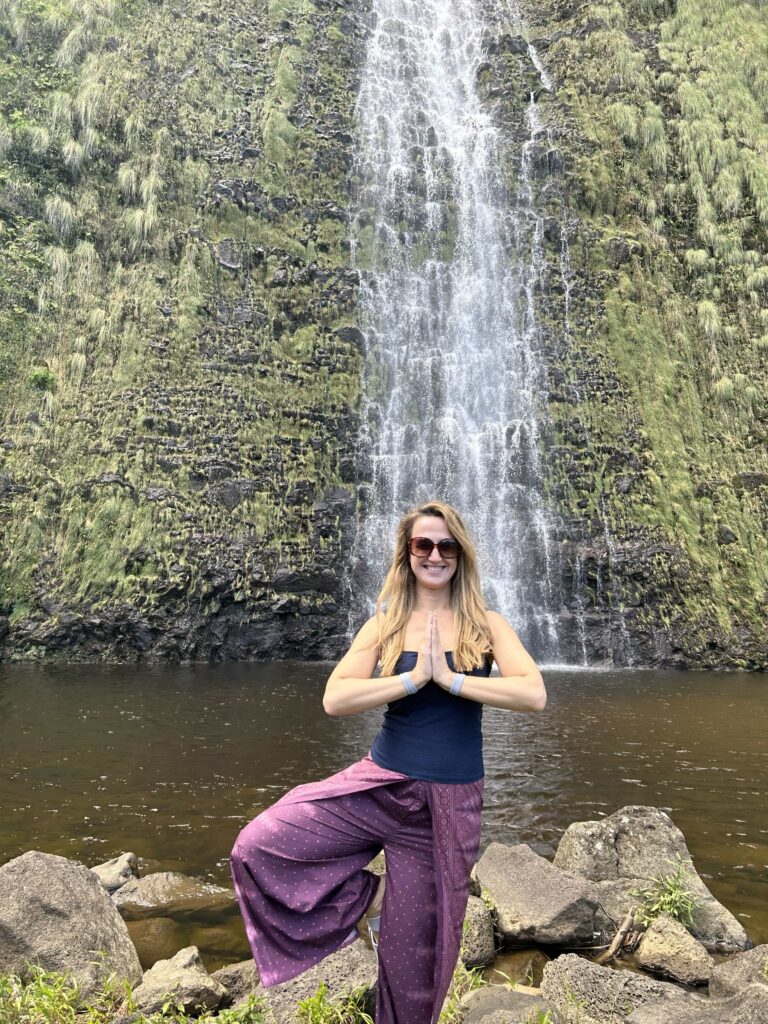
(179, 365)
(660, 114)
(166, 172)
(50, 997)
(54, 998)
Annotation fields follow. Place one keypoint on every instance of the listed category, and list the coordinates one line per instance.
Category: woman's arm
(519, 687)
(351, 687)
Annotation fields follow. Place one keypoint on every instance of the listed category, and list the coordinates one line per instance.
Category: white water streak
(455, 381)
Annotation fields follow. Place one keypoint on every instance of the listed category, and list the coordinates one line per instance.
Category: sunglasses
(422, 547)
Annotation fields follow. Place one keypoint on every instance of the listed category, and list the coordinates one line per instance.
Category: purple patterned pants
(299, 876)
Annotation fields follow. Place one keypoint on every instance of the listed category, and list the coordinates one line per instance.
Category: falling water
(455, 384)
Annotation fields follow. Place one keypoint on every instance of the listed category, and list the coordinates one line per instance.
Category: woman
(299, 867)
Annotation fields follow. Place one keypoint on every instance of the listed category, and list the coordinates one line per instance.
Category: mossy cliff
(180, 357)
(180, 365)
(656, 185)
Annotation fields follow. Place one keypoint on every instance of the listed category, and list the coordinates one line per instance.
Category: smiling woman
(300, 867)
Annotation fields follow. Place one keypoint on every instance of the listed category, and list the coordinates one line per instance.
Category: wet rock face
(230, 438)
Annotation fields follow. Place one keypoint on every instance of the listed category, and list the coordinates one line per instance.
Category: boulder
(601, 994)
(182, 979)
(350, 968)
(735, 973)
(56, 913)
(668, 948)
(536, 902)
(116, 872)
(747, 1007)
(170, 894)
(239, 981)
(477, 943)
(629, 848)
(500, 1003)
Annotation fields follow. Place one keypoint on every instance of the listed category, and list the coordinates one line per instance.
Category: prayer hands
(441, 673)
(431, 662)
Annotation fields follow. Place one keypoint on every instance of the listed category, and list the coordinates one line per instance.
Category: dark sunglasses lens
(421, 546)
(448, 548)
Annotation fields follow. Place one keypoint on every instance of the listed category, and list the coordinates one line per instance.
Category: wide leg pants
(300, 878)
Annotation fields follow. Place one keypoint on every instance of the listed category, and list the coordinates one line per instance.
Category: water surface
(170, 762)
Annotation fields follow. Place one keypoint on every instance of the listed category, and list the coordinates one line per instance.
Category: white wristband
(408, 683)
(458, 682)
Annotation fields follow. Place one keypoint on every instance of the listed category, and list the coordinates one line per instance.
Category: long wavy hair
(471, 632)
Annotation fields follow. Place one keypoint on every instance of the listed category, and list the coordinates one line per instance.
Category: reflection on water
(171, 762)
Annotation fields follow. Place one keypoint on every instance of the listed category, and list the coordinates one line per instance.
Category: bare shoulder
(367, 636)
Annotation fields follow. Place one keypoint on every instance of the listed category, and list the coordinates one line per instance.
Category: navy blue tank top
(432, 735)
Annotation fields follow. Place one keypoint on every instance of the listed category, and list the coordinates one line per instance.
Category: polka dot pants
(300, 878)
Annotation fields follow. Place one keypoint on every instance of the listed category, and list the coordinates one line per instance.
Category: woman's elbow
(540, 695)
(330, 705)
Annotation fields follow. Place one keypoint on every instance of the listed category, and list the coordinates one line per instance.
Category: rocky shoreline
(622, 891)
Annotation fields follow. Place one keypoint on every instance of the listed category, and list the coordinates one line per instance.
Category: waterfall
(450, 259)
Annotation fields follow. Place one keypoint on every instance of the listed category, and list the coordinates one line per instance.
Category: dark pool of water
(171, 762)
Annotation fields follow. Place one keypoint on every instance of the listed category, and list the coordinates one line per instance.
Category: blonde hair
(472, 634)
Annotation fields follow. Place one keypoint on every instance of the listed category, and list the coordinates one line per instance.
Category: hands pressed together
(431, 662)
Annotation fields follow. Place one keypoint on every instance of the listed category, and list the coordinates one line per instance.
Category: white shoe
(373, 916)
(374, 926)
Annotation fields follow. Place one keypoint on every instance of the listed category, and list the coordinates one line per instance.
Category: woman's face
(433, 571)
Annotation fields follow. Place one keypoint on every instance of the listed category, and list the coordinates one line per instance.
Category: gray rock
(633, 846)
(116, 872)
(735, 973)
(603, 995)
(55, 912)
(182, 979)
(350, 968)
(239, 980)
(499, 1003)
(170, 894)
(536, 902)
(668, 948)
(477, 944)
(748, 1007)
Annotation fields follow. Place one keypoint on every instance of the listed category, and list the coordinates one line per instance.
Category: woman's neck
(432, 600)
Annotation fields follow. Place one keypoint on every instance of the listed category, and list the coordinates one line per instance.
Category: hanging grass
(58, 262)
(60, 215)
(73, 154)
(723, 389)
(709, 319)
